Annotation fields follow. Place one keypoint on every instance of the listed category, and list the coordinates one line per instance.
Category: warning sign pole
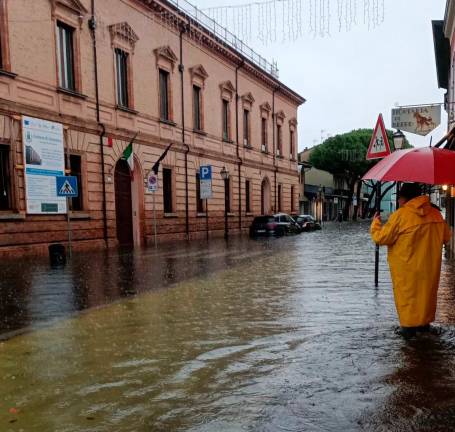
(68, 220)
(379, 148)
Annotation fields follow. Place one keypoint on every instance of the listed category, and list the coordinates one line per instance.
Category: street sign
(417, 119)
(205, 181)
(66, 186)
(379, 145)
(152, 182)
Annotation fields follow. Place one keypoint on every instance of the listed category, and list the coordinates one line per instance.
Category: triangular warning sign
(66, 189)
(379, 145)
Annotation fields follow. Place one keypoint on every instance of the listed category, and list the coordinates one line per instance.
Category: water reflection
(271, 335)
(421, 387)
(42, 294)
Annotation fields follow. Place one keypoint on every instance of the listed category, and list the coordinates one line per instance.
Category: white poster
(44, 159)
(206, 189)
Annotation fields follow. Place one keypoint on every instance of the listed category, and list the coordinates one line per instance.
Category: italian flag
(129, 156)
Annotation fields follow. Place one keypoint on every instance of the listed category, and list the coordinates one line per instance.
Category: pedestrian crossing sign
(66, 186)
(379, 145)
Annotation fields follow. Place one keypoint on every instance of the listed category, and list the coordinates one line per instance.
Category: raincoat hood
(420, 205)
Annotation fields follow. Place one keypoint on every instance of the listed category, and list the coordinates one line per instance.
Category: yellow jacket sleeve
(385, 234)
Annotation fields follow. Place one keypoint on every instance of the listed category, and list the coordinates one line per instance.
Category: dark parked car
(279, 224)
(308, 223)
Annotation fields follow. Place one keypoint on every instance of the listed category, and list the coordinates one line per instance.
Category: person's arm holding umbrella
(384, 235)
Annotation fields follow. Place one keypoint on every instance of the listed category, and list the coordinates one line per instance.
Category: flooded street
(274, 335)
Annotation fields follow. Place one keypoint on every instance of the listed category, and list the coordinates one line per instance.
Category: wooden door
(123, 204)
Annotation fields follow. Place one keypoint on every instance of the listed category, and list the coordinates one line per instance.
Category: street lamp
(398, 143)
(225, 176)
(398, 139)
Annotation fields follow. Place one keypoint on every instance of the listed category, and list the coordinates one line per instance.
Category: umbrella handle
(376, 252)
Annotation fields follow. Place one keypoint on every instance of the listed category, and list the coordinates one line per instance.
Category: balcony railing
(225, 36)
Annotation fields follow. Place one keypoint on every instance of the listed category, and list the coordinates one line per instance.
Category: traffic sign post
(205, 187)
(379, 148)
(66, 186)
(379, 145)
(152, 182)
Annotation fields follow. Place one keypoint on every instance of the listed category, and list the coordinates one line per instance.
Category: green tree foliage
(344, 156)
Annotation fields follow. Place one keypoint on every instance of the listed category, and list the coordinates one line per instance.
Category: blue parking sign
(66, 186)
(206, 172)
(205, 182)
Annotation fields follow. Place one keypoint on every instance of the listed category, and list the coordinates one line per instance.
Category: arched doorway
(265, 196)
(123, 204)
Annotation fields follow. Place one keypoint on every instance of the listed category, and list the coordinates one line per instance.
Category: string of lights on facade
(281, 21)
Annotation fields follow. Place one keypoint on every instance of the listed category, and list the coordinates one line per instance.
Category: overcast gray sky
(348, 78)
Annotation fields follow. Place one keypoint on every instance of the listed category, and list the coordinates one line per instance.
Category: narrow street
(271, 335)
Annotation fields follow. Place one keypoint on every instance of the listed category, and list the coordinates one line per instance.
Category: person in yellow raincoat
(414, 236)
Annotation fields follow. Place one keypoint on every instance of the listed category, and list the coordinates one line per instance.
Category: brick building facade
(108, 69)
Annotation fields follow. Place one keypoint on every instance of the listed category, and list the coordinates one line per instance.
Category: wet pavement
(272, 335)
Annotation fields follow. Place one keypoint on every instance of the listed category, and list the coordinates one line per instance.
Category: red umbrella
(428, 165)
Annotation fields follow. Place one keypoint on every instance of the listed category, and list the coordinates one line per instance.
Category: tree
(344, 156)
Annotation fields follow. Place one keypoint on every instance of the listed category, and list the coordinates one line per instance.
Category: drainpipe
(274, 145)
(239, 159)
(183, 29)
(92, 26)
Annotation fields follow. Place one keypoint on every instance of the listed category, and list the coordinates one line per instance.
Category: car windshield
(263, 219)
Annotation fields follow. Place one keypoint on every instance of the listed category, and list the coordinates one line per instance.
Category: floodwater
(272, 335)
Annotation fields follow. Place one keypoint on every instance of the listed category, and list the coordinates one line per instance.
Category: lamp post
(398, 139)
(225, 176)
(398, 144)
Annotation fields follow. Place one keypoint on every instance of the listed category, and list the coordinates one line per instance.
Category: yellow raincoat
(414, 235)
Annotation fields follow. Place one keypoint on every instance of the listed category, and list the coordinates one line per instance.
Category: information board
(44, 160)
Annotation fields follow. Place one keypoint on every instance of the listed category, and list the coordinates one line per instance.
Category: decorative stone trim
(265, 107)
(248, 99)
(293, 122)
(226, 87)
(74, 7)
(122, 33)
(198, 71)
(166, 53)
(280, 115)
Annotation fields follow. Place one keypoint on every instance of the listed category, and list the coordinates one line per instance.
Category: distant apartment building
(93, 74)
(322, 194)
